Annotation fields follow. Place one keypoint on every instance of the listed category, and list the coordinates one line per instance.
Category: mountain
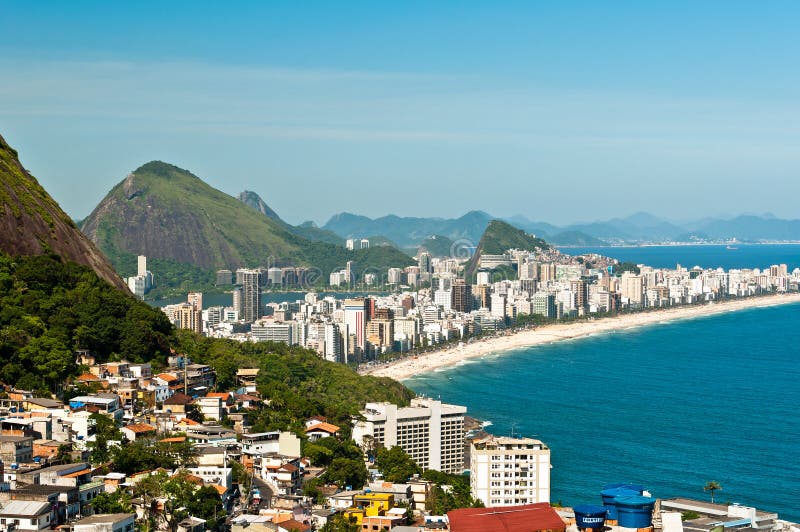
(32, 223)
(307, 230)
(498, 238)
(437, 246)
(254, 200)
(751, 228)
(410, 231)
(171, 215)
(574, 238)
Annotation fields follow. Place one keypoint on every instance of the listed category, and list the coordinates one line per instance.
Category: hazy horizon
(559, 112)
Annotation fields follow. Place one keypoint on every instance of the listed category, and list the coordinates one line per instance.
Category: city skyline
(684, 108)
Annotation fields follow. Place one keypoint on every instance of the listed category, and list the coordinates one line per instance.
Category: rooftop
(21, 508)
(98, 519)
(525, 518)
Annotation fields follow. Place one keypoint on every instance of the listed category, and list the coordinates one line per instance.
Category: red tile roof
(526, 518)
(166, 377)
(325, 427)
(88, 377)
(138, 428)
(292, 524)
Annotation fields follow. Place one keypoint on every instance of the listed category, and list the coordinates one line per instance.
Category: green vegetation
(623, 267)
(458, 496)
(118, 502)
(149, 454)
(437, 246)
(395, 464)
(49, 308)
(181, 498)
(712, 486)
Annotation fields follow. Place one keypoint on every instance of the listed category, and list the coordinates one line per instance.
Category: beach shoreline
(408, 367)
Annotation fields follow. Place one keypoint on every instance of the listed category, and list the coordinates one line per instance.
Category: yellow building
(369, 505)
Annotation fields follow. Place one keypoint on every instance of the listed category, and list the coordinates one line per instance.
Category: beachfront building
(509, 471)
(431, 432)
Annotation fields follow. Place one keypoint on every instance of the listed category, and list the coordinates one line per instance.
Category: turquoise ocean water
(669, 406)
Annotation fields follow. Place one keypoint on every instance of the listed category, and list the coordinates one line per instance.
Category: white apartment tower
(509, 471)
(431, 432)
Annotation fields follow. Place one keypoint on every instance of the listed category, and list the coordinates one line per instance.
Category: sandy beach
(416, 365)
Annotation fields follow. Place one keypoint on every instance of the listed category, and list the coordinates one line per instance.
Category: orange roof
(291, 524)
(190, 478)
(187, 421)
(140, 427)
(166, 377)
(221, 395)
(177, 439)
(289, 467)
(220, 489)
(78, 473)
(325, 427)
(86, 377)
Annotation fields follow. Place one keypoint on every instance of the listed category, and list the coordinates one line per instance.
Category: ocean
(669, 406)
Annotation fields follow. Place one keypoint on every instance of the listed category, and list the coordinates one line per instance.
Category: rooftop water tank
(635, 511)
(590, 516)
(610, 495)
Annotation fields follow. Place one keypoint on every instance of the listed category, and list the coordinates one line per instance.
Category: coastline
(408, 367)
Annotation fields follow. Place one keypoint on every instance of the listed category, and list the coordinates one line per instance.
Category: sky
(559, 111)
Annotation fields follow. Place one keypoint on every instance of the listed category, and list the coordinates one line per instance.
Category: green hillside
(498, 238)
(187, 228)
(437, 246)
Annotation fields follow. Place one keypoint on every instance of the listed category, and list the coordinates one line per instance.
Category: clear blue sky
(560, 111)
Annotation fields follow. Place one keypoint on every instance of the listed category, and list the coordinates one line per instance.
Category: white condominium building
(431, 432)
(509, 471)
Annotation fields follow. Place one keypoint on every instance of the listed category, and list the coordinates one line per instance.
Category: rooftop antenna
(512, 429)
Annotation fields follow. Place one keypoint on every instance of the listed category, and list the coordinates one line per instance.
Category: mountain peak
(250, 198)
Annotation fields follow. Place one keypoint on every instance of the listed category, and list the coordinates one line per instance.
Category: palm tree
(712, 486)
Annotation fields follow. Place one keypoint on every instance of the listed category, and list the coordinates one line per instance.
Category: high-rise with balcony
(431, 432)
(509, 471)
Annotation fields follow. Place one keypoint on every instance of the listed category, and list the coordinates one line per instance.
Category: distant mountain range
(411, 232)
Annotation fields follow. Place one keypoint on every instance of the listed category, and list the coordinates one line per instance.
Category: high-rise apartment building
(355, 317)
(632, 288)
(424, 262)
(461, 296)
(251, 294)
(431, 432)
(195, 299)
(190, 317)
(509, 471)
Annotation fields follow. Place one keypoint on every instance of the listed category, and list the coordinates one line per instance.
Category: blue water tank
(635, 511)
(590, 516)
(610, 495)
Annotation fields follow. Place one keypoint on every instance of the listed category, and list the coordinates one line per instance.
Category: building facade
(509, 471)
(431, 432)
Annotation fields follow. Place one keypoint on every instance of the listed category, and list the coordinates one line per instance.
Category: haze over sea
(669, 406)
